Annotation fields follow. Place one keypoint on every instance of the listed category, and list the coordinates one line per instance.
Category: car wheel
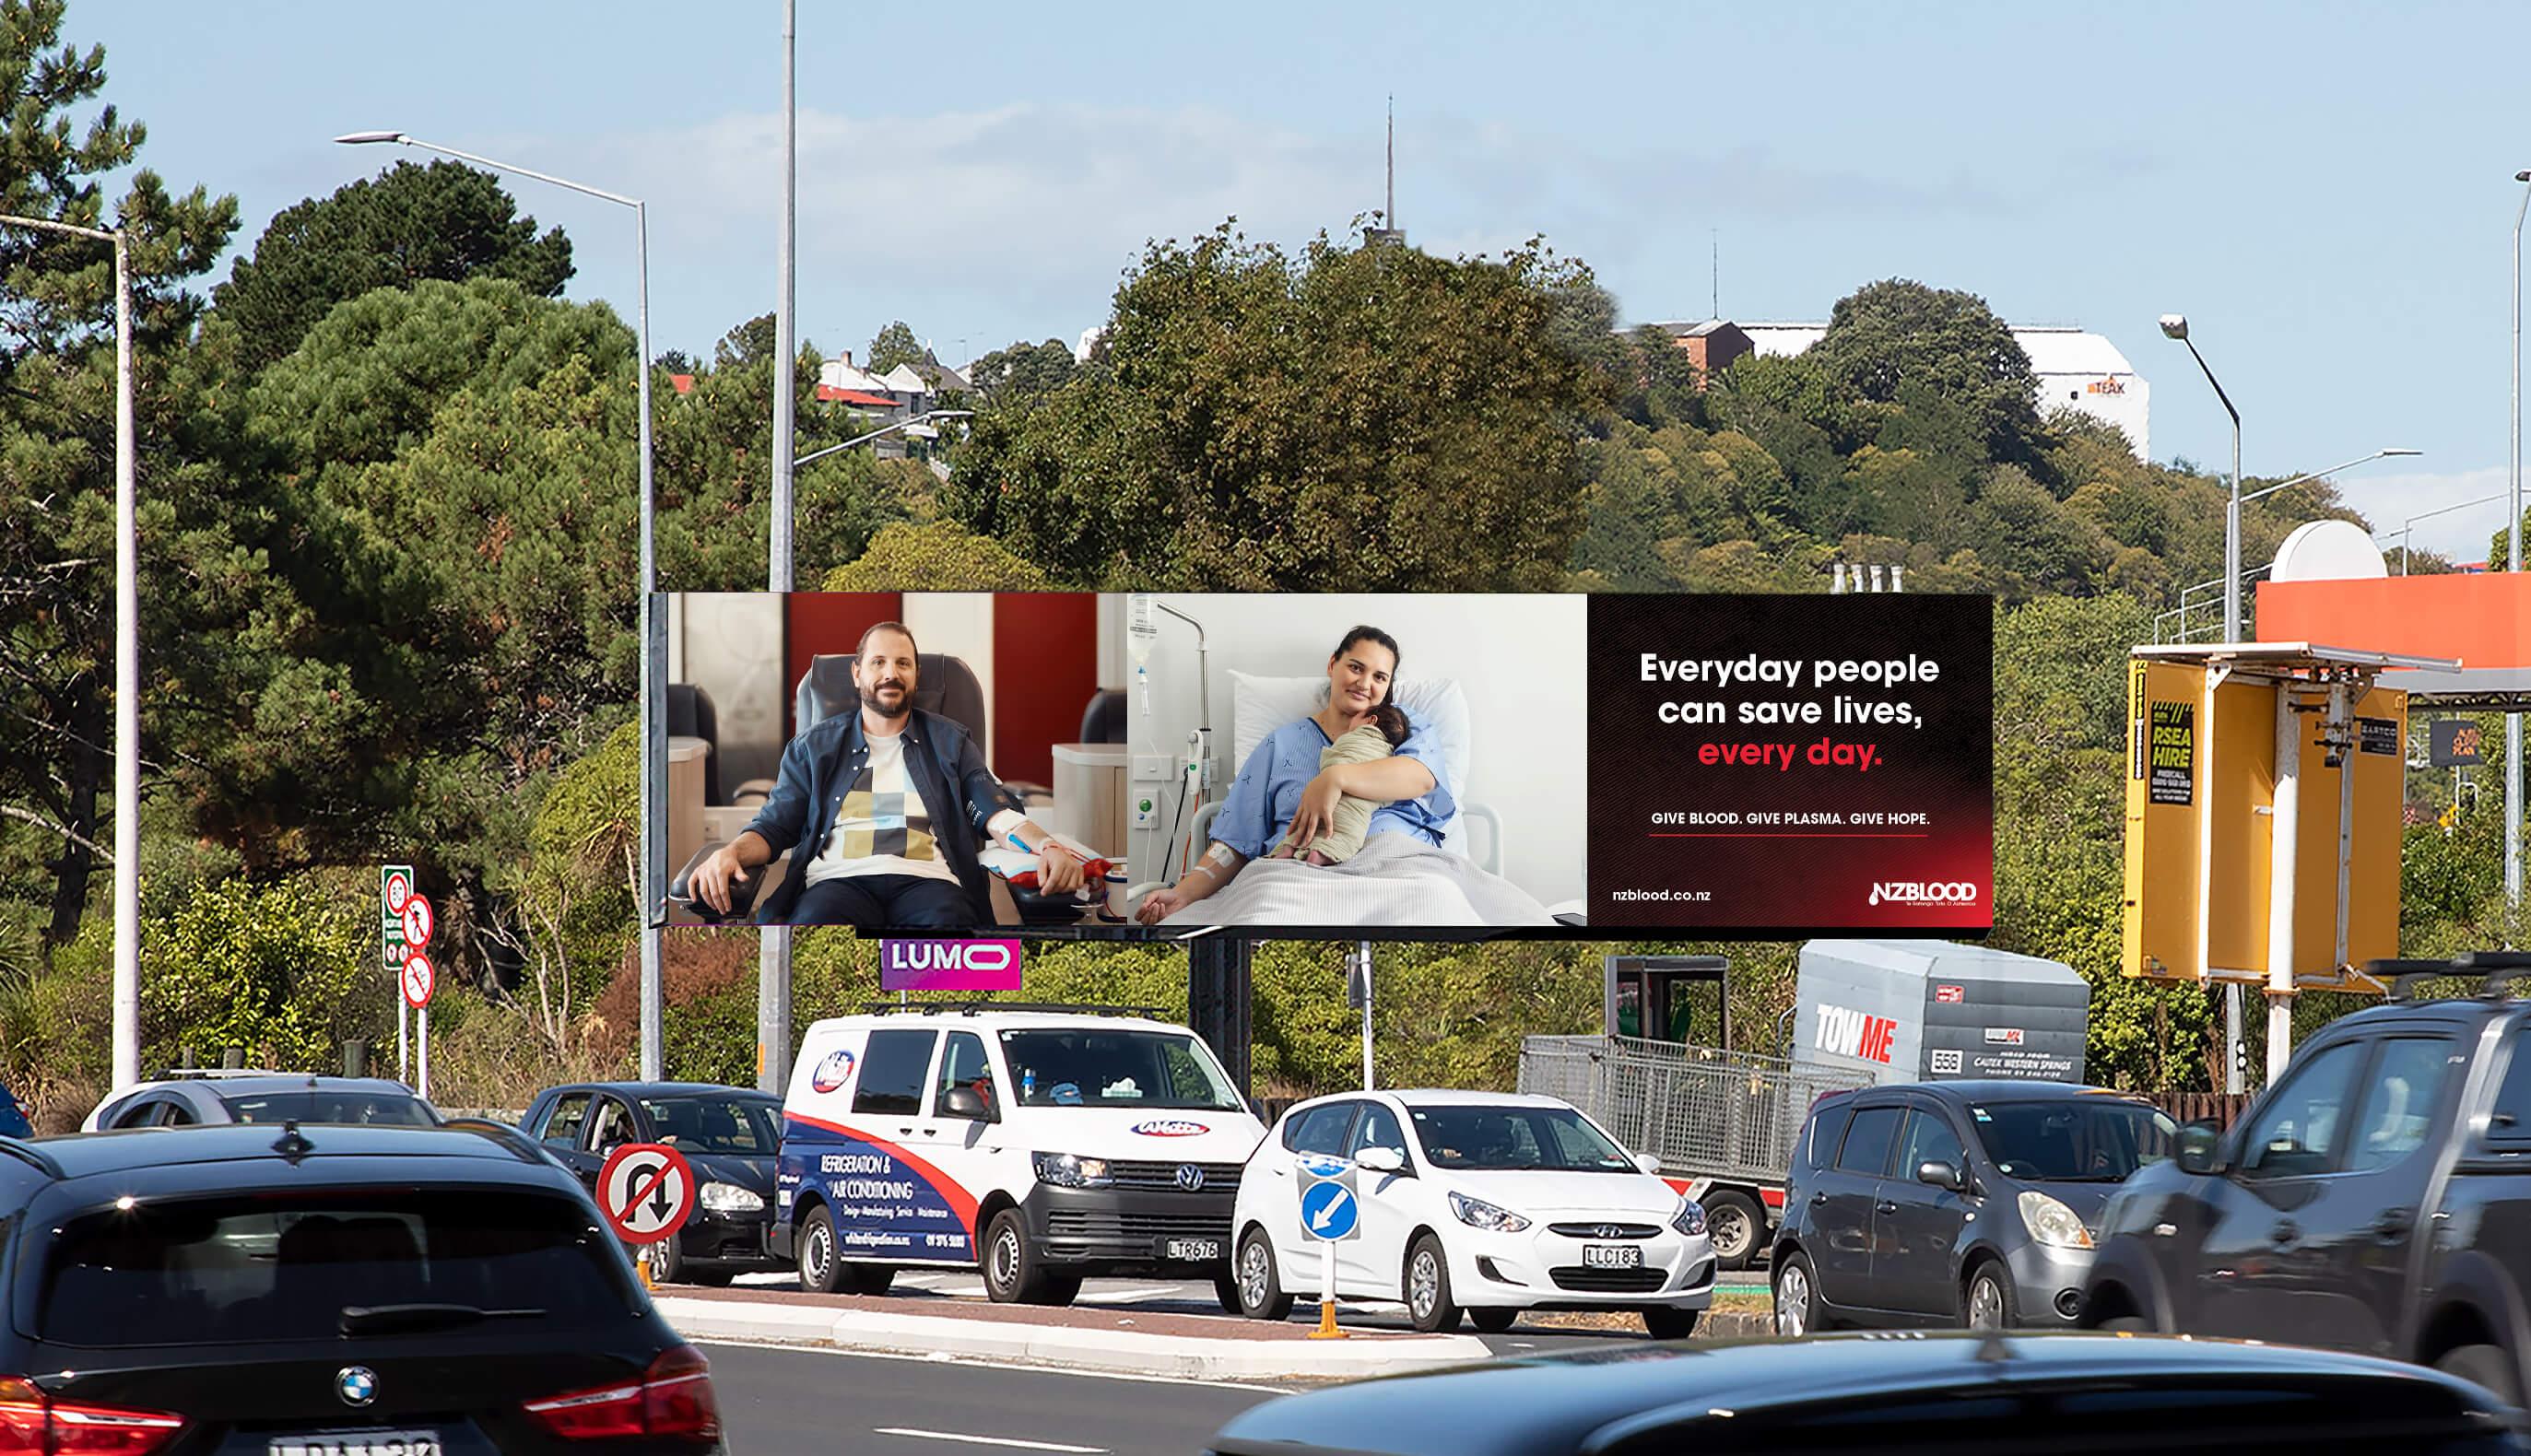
(1736, 1228)
(2484, 1365)
(668, 1262)
(1989, 1303)
(1225, 1293)
(1669, 1324)
(1428, 1288)
(1260, 1285)
(1012, 1274)
(1797, 1298)
(820, 1269)
(1494, 1321)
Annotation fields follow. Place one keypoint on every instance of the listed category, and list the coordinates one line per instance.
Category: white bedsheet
(1396, 880)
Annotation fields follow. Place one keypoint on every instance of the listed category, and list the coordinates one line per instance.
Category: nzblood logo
(833, 1072)
(1855, 1034)
(1921, 892)
(1170, 1128)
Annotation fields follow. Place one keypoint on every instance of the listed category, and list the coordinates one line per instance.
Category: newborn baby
(1376, 739)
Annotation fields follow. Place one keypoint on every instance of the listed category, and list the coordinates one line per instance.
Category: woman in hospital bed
(1283, 794)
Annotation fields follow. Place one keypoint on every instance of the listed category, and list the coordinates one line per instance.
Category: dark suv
(730, 1136)
(2376, 1199)
(260, 1289)
(1965, 1203)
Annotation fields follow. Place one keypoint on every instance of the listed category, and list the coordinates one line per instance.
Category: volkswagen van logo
(355, 1384)
(1190, 1178)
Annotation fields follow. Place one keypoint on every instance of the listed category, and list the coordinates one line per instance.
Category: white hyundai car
(1486, 1202)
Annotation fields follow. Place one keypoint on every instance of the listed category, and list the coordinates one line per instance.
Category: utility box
(1932, 1011)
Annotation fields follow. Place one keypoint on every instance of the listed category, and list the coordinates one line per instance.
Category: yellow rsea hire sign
(2201, 785)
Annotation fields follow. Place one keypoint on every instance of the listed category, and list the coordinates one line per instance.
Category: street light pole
(2176, 327)
(126, 662)
(653, 624)
(773, 943)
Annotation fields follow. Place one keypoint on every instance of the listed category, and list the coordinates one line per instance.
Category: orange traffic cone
(1327, 1330)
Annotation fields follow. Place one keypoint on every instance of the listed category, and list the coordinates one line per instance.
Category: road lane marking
(988, 1440)
(943, 1357)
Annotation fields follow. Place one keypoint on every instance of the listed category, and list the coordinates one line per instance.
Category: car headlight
(729, 1198)
(1689, 1218)
(1071, 1170)
(2052, 1223)
(1478, 1214)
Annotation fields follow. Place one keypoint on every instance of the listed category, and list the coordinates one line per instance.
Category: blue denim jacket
(820, 766)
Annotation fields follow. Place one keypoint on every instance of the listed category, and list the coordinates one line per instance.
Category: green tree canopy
(897, 344)
(1024, 370)
(1350, 419)
(57, 439)
(1898, 333)
(444, 221)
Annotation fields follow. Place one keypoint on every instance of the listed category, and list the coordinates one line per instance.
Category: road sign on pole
(416, 921)
(395, 889)
(419, 981)
(1330, 1211)
(646, 1191)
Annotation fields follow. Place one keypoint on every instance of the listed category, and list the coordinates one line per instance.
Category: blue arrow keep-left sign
(1329, 1210)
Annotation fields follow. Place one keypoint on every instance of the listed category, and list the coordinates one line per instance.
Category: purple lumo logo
(949, 965)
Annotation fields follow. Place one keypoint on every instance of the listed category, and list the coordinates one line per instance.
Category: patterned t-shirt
(881, 824)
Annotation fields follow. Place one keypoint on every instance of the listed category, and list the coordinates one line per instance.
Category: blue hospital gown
(1267, 790)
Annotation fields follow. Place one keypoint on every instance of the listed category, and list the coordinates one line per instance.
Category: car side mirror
(1648, 1162)
(2200, 1150)
(1942, 1175)
(1380, 1160)
(966, 1102)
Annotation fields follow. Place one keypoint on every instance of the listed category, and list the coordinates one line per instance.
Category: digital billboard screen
(1406, 766)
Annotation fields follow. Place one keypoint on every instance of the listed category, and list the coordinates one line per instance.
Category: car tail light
(33, 1423)
(673, 1397)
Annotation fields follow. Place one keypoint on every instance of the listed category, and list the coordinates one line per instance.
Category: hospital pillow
(1260, 704)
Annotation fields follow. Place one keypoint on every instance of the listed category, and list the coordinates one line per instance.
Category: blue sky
(2326, 189)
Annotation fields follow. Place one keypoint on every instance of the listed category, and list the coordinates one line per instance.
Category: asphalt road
(783, 1401)
(1162, 1296)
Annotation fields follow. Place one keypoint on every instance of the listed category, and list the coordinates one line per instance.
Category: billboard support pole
(2285, 831)
(1363, 950)
(2341, 720)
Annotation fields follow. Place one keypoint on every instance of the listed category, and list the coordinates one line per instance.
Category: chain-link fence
(1704, 1113)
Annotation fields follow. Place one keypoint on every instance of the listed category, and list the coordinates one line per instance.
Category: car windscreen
(328, 1266)
(1096, 1066)
(1553, 1139)
(743, 1126)
(2072, 1141)
(377, 1109)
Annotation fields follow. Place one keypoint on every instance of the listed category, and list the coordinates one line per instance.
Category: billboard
(1425, 766)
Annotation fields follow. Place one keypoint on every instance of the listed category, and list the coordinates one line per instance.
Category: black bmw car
(728, 1134)
(327, 1289)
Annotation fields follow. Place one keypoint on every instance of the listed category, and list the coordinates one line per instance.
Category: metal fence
(1704, 1113)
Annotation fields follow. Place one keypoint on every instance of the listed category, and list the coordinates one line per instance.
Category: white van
(1044, 1144)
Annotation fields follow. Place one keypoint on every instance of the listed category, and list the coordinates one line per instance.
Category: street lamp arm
(400, 138)
(884, 429)
(102, 235)
(2211, 380)
(2332, 470)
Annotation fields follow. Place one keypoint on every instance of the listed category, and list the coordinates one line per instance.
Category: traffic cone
(1327, 1330)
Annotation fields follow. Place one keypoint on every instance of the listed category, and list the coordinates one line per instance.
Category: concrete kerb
(1117, 1351)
